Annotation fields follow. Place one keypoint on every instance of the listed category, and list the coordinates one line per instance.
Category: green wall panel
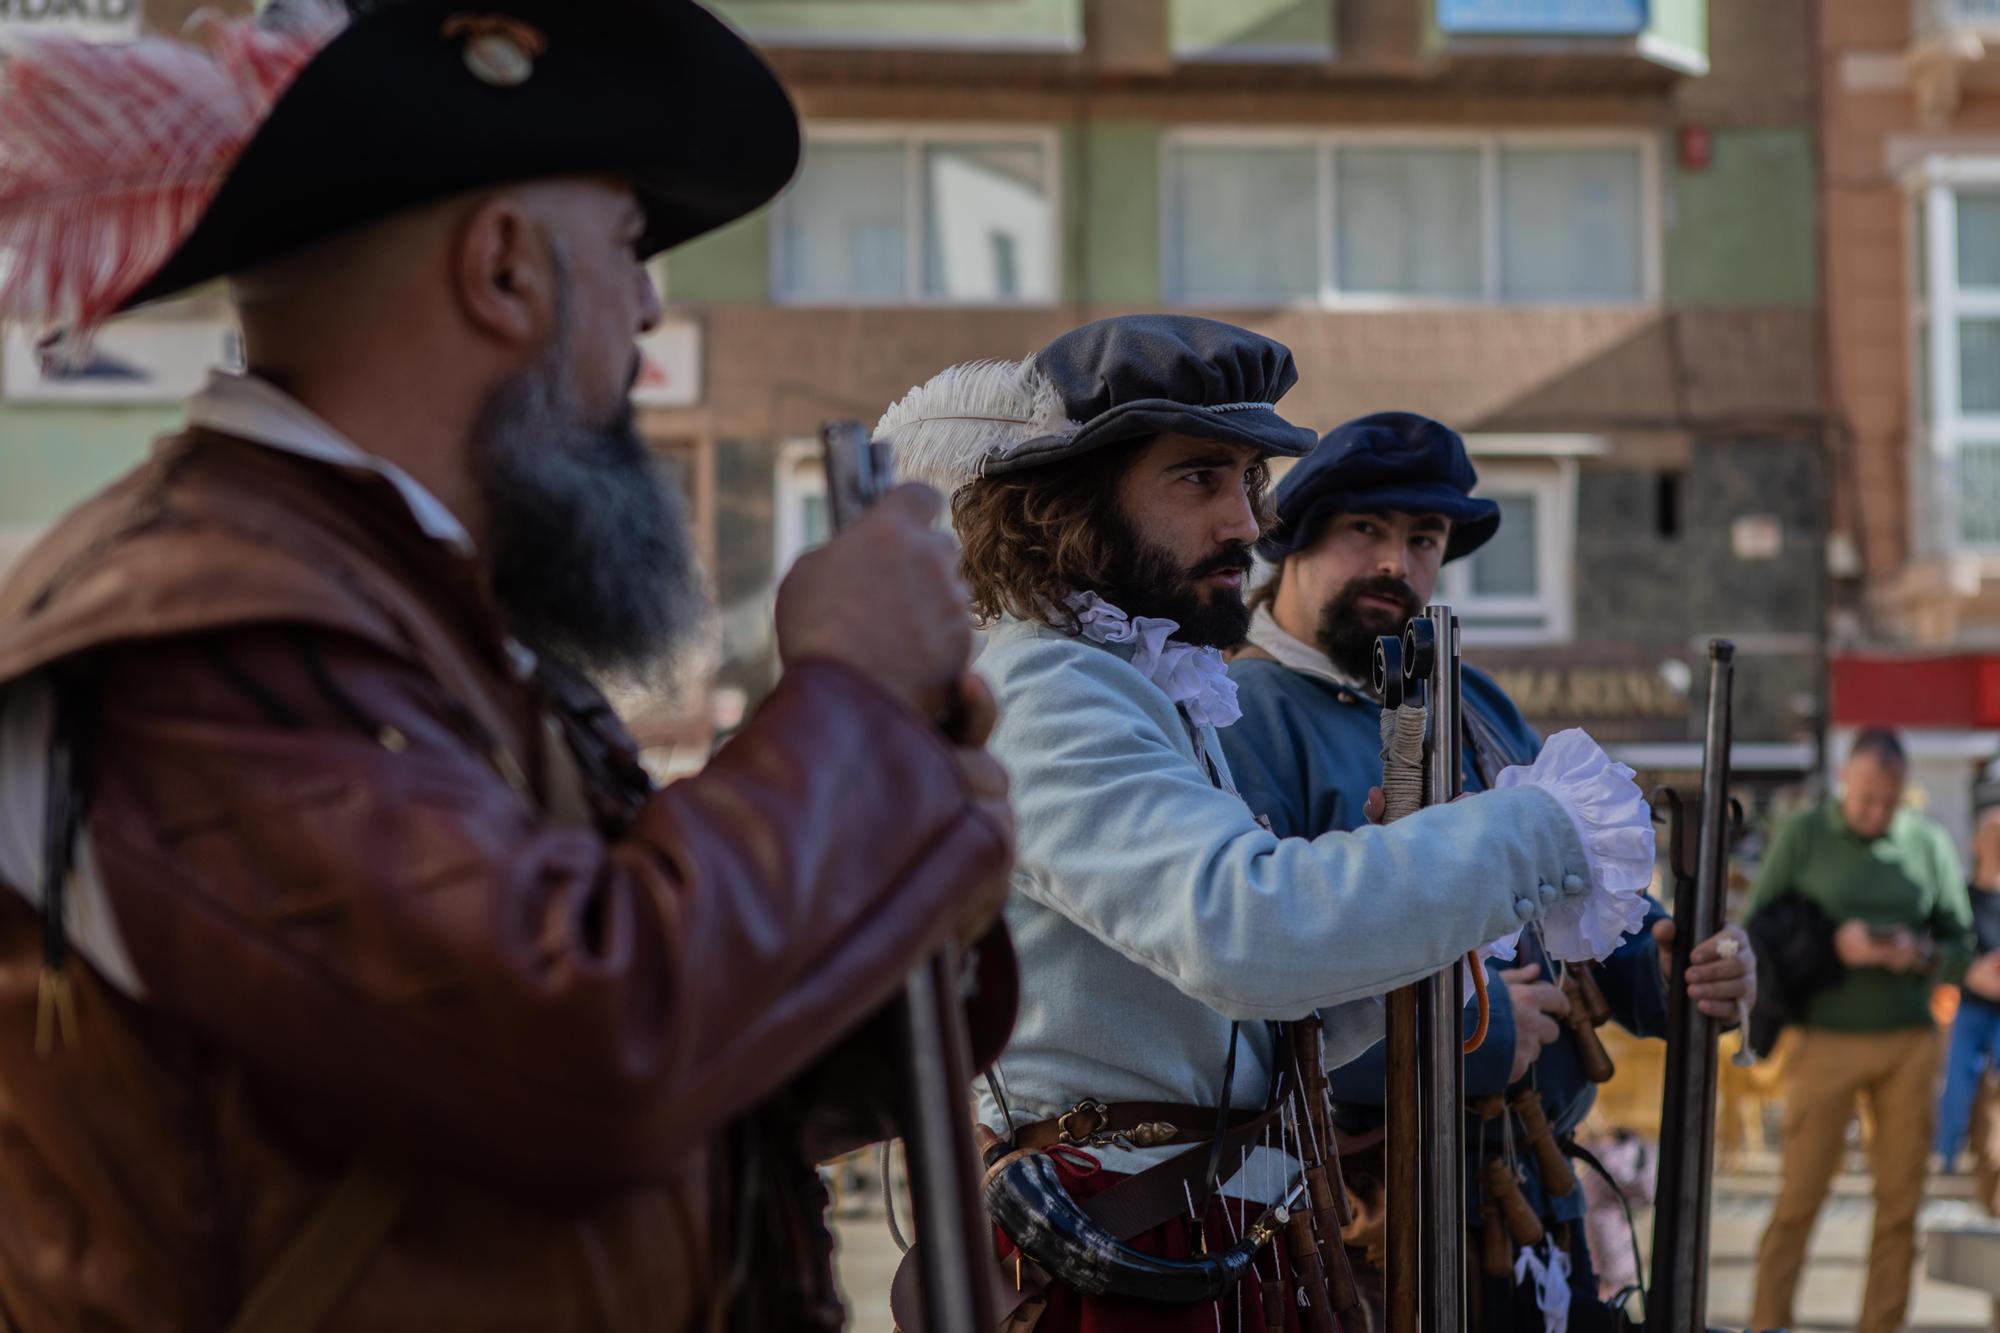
(52, 456)
(1743, 232)
(730, 266)
(1026, 24)
(1121, 168)
(1251, 26)
(1684, 23)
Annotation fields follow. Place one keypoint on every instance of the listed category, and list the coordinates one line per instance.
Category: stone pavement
(1828, 1298)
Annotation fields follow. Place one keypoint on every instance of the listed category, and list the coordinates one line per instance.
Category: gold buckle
(1089, 1137)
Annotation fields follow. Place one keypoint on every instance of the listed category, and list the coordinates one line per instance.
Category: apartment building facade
(1910, 197)
(1581, 231)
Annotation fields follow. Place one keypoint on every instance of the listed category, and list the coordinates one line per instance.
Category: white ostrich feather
(947, 430)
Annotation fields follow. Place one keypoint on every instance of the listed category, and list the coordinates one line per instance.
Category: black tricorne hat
(418, 100)
(1129, 377)
(1387, 461)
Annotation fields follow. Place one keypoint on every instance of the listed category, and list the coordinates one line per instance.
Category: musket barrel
(1440, 1025)
(1426, 1240)
(1678, 1297)
(955, 1268)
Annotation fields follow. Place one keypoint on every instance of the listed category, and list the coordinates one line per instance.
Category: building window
(988, 26)
(1516, 589)
(1256, 219)
(960, 217)
(1955, 354)
(802, 518)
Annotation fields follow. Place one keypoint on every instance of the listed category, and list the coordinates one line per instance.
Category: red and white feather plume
(109, 153)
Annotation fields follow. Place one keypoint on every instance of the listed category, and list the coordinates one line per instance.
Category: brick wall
(1871, 131)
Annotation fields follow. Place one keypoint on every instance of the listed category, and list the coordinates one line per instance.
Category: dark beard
(1347, 630)
(590, 552)
(1147, 581)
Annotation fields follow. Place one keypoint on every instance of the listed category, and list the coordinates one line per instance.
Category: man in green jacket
(1891, 878)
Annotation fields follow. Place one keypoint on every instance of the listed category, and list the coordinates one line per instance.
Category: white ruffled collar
(1196, 679)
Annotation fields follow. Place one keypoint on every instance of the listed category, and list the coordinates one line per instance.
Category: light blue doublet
(1150, 908)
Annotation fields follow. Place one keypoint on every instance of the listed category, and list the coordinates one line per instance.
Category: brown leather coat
(388, 897)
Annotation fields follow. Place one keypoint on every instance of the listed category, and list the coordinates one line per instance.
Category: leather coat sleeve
(400, 937)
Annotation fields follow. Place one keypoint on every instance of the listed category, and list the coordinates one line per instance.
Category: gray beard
(590, 551)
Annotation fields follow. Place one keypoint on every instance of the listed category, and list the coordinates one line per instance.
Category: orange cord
(1478, 1037)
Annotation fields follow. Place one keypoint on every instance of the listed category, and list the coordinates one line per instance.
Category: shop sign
(670, 366)
(1585, 694)
(1614, 697)
(92, 20)
(134, 361)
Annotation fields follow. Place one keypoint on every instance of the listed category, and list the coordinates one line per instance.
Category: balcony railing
(1938, 17)
(1560, 18)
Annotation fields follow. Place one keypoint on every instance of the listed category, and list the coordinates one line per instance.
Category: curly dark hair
(1029, 539)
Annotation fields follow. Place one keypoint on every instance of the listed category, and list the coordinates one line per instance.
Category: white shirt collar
(247, 407)
(1291, 651)
(1196, 679)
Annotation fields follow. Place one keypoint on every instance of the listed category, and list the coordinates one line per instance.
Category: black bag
(1793, 940)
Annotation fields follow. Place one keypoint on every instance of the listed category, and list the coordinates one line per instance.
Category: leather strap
(318, 1267)
(1146, 1124)
(1140, 1203)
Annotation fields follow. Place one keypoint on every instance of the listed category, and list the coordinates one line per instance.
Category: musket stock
(1677, 1300)
(955, 1257)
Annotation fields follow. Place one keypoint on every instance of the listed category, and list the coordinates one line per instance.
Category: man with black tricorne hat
(353, 975)
(1366, 522)
(1108, 492)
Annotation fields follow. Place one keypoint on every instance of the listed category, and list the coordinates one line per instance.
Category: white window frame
(879, 38)
(1552, 481)
(1937, 299)
(1489, 144)
(798, 478)
(914, 137)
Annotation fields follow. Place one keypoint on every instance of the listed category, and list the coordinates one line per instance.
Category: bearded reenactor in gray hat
(353, 974)
(1108, 492)
(1366, 522)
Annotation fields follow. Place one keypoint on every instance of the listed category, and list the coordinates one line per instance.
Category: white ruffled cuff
(1615, 826)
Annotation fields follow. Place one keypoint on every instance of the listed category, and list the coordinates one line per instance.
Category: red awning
(1957, 691)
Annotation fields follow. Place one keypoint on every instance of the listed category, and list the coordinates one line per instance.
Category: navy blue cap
(1136, 376)
(1378, 463)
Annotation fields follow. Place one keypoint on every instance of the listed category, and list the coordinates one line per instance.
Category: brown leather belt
(1094, 1124)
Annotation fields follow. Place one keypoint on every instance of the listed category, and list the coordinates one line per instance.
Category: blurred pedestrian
(1974, 1048)
(1890, 878)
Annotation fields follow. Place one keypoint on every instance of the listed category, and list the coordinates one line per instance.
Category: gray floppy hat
(1130, 377)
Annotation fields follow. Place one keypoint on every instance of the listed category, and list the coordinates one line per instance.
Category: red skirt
(1238, 1311)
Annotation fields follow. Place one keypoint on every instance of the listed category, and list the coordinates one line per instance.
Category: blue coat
(1304, 755)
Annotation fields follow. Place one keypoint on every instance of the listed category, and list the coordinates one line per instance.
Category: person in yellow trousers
(1890, 881)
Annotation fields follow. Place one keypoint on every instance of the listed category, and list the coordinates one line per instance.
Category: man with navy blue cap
(1108, 492)
(1366, 523)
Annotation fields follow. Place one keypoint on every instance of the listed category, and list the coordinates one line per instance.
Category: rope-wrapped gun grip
(1403, 792)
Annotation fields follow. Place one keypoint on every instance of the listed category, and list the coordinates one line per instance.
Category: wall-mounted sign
(1757, 537)
(131, 362)
(92, 20)
(670, 369)
(1593, 693)
(1615, 694)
